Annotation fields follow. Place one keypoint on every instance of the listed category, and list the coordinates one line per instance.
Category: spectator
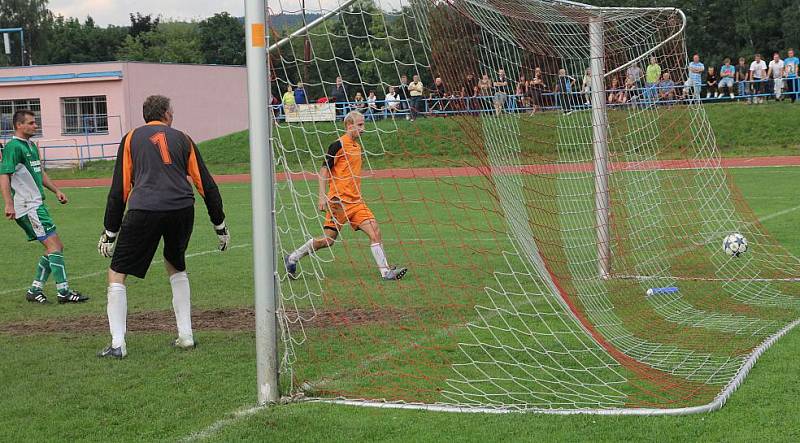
(652, 77)
(520, 93)
(666, 88)
(790, 66)
(587, 86)
(631, 90)
(359, 104)
(372, 105)
(742, 77)
(338, 95)
(469, 85)
(402, 94)
(501, 89)
(634, 72)
(476, 101)
(485, 87)
(564, 88)
(415, 90)
(711, 83)
(300, 96)
(392, 102)
(288, 100)
(728, 74)
(616, 95)
(536, 90)
(758, 75)
(438, 93)
(775, 72)
(695, 82)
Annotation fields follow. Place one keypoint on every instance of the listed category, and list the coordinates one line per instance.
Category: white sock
(117, 310)
(380, 258)
(302, 251)
(182, 304)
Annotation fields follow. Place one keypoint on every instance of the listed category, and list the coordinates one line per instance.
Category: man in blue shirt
(791, 65)
(696, 75)
(300, 96)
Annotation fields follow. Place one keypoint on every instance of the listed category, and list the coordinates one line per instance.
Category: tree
(142, 23)
(169, 43)
(222, 39)
(71, 42)
(35, 20)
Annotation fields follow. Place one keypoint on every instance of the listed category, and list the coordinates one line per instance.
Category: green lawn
(53, 388)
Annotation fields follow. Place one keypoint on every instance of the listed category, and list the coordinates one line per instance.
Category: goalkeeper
(150, 177)
(340, 176)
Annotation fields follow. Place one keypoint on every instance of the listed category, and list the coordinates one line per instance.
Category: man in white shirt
(392, 102)
(758, 75)
(775, 72)
(415, 90)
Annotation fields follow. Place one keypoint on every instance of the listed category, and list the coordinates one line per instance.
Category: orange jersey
(343, 160)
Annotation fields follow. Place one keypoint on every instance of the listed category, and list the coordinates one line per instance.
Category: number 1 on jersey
(159, 140)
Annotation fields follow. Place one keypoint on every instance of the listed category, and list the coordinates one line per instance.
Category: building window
(84, 115)
(9, 107)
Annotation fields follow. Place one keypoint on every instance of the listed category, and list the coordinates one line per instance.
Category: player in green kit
(22, 182)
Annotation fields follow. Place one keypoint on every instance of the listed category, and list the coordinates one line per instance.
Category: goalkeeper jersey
(153, 164)
(20, 159)
(343, 160)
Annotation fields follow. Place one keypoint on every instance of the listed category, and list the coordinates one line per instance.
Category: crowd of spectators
(751, 82)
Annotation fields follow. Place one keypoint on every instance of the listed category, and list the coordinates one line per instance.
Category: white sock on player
(302, 251)
(380, 258)
(117, 310)
(182, 305)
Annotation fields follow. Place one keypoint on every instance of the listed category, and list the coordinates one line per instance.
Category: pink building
(83, 110)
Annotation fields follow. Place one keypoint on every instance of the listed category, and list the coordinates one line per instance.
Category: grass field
(54, 388)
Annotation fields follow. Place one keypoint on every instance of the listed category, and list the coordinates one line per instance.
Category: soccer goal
(560, 210)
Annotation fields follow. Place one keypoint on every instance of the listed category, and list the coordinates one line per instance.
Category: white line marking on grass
(778, 214)
(234, 417)
(160, 260)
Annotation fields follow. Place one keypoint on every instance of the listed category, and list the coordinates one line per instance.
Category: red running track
(752, 162)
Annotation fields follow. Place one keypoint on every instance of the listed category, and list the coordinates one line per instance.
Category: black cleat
(110, 352)
(72, 297)
(395, 273)
(36, 297)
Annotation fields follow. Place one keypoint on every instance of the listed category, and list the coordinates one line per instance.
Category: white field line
(233, 417)
(160, 260)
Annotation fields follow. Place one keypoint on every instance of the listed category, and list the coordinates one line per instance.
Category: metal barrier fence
(643, 95)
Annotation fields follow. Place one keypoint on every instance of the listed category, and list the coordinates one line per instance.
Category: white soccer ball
(734, 245)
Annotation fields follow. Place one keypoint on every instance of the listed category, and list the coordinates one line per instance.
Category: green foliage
(716, 29)
(170, 42)
(222, 39)
(85, 42)
(35, 20)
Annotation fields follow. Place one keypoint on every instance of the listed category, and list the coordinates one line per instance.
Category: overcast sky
(115, 12)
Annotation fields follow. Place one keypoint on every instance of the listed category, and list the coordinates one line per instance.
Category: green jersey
(20, 158)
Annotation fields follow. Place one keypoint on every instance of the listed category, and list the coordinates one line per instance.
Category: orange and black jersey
(153, 163)
(343, 160)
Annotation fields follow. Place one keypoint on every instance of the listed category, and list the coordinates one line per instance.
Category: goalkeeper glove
(223, 235)
(106, 244)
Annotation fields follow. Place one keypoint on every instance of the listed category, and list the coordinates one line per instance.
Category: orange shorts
(340, 214)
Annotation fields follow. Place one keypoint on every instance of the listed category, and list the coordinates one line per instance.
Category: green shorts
(38, 225)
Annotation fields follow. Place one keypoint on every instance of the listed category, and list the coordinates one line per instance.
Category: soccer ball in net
(734, 244)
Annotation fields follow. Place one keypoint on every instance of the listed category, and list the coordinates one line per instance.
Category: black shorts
(140, 234)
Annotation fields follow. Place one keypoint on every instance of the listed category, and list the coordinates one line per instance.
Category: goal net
(562, 224)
